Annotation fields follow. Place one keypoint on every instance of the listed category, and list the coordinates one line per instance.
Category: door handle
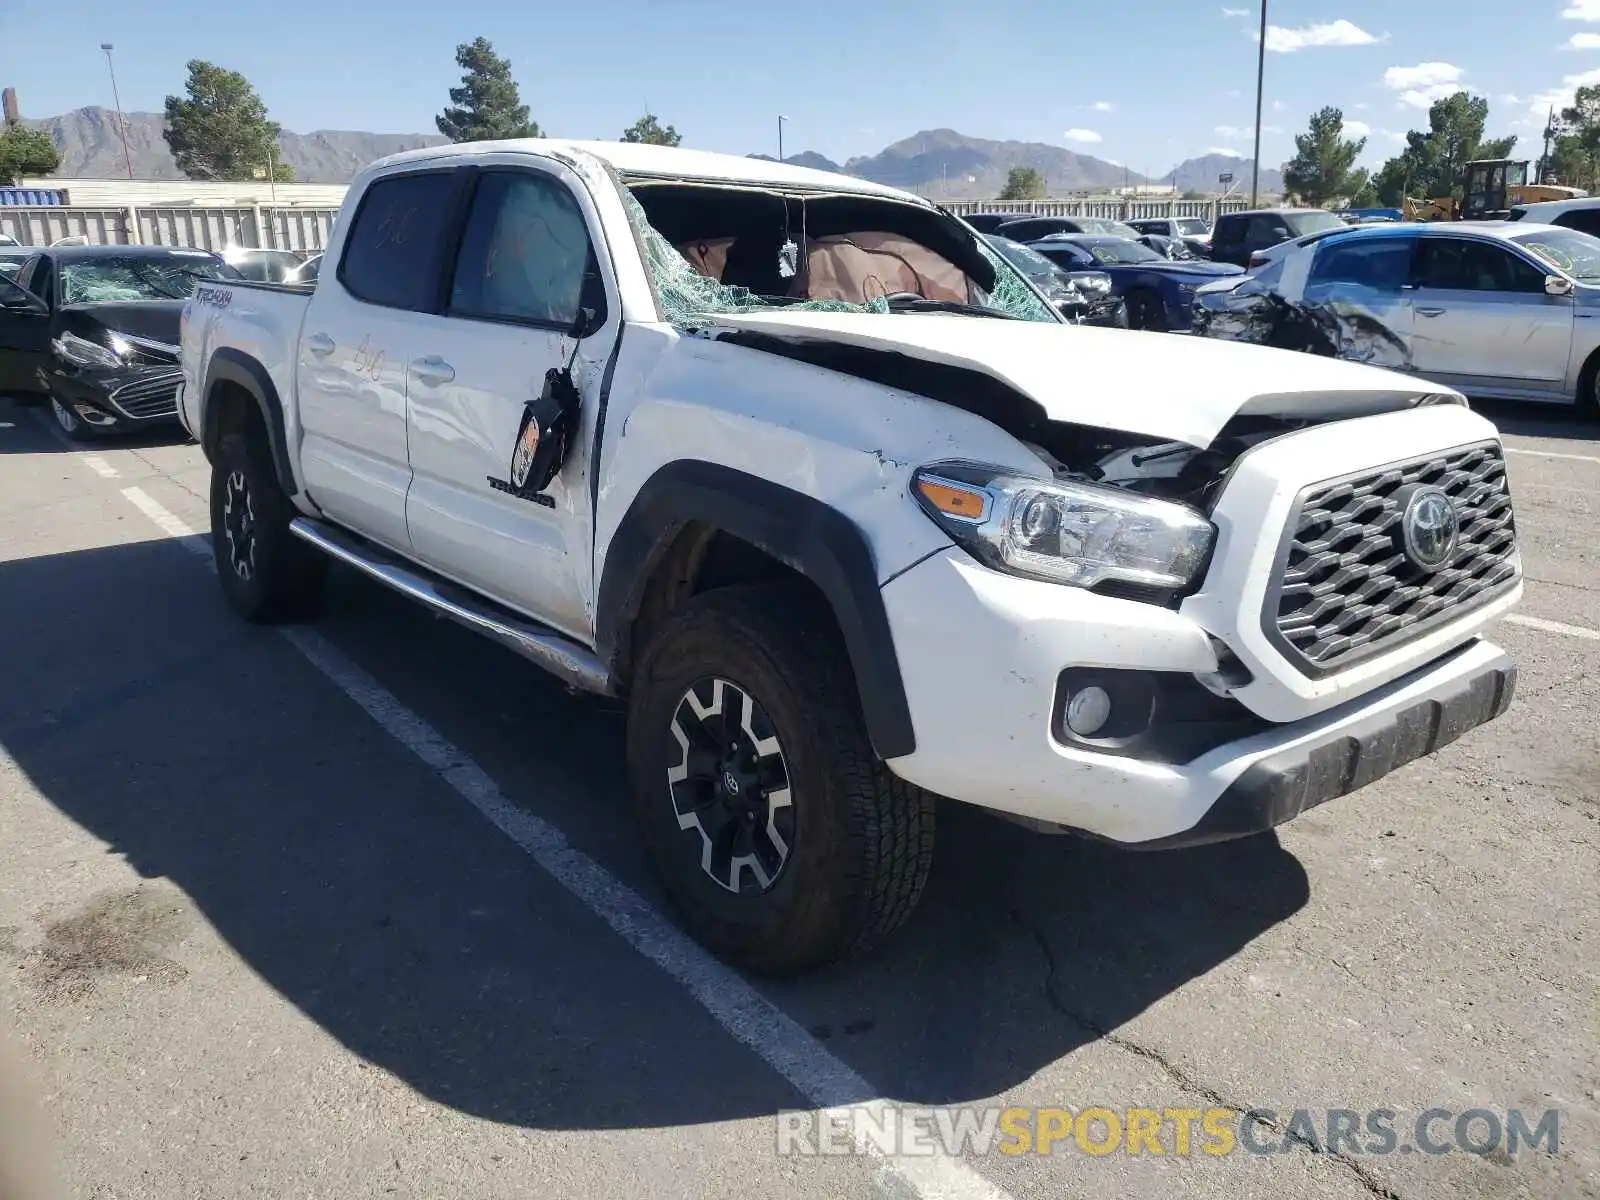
(320, 344)
(433, 369)
(1429, 312)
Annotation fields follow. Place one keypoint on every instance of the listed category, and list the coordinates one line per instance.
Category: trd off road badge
(541, 445)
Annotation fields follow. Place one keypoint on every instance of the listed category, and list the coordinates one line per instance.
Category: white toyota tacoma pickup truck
(852, 519)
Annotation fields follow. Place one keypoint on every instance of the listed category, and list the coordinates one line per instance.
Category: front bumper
(126, 398)
(982, 654)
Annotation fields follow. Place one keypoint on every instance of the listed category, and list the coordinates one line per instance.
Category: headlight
(83, 353)
(1066, 532)
(1096, 283)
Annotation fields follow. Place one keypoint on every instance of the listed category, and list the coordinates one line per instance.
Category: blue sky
(1139, 82)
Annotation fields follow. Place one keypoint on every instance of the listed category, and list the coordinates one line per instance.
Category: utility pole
(1549, 131)
(1261, 74)
(781, 120)
(122, 122)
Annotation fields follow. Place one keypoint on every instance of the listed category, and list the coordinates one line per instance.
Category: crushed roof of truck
(668, 162)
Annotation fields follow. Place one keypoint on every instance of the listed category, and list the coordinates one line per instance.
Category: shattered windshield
(817, 269)
(1118, 252)
(1577, 254)
(141, 277)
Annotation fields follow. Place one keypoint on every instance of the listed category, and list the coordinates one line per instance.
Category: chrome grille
(1346, 589)
(156, 396)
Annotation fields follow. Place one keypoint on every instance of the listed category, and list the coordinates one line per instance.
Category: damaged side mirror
(1558, 285)
(549, 423)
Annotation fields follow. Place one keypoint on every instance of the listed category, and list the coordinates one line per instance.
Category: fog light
(1088, 710)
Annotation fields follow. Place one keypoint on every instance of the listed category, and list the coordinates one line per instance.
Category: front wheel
(69, 422)
(1145, 311)
(775, 830)
(266, 572)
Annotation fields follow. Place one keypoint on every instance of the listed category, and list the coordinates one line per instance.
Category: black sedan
(94, 330)
(1158, 291)
(1031, 229)
(1084, 297)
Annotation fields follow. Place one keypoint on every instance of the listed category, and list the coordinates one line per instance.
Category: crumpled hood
(1159, 385)
(157, 320)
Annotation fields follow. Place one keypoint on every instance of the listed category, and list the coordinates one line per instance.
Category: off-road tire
(282, 578)
(862, 838)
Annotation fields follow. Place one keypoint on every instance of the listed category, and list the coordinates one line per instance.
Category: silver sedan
(1493, 309)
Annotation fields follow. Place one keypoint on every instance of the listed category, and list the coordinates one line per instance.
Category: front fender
(809, 536)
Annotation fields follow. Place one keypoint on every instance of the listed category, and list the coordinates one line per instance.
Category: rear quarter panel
(263, 325)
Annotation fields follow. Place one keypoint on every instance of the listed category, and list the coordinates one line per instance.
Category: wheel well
(229, 409)
(1588, 403)
(699, 559)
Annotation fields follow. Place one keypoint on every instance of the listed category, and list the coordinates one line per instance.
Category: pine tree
(486, 107)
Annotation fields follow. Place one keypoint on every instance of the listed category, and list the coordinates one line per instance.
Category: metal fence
(212, 227)
(1116, 208)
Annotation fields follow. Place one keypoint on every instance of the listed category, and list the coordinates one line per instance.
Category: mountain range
(937, 162)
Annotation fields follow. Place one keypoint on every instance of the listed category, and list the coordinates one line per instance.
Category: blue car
(1158, 291)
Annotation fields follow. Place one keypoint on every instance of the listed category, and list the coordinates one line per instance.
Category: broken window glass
(687, 284)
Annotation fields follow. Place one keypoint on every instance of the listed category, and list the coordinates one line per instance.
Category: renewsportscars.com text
(1099, 1130)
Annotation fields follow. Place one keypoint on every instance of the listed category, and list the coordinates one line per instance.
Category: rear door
(25, 328)
(525, 272)
(1357, 293)
(360, 331)
(1483, 321)
(1227, 241)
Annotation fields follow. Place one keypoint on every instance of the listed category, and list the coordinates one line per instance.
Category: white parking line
(1552, 454)
(98, 465)
(747, 1015)
(1577, 631)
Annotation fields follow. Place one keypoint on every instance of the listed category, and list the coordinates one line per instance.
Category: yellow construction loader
(1493, 186)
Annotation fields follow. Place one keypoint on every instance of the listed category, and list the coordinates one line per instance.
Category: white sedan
(1491, 308)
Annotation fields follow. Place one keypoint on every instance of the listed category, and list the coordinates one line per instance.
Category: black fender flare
(800, 531)
(228, 365)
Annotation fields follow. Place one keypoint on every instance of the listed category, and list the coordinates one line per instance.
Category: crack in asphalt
(1369, 1181)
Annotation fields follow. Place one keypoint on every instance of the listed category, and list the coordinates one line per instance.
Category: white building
(157, 193)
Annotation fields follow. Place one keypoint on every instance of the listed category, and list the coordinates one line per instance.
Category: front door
(358, 335)
(25, 329)
(525, 273)
(24, 339)
(1483, 320)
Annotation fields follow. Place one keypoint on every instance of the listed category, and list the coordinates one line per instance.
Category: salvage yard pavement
(356, 909)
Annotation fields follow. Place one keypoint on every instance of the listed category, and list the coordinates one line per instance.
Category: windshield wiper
(919, 304)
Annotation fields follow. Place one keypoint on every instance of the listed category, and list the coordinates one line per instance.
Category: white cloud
(1509, 98)
(1584, 41)
(1392, 135)
(1357, 129)
(1582, 10)
(1103, 106)
(1281, 40)
(1232, 131)
(1540, 105)
(1115, 162)
(1358, 108)
(1233, 93)
(1422, 75)
(1224, 150)
(1236, 12)
(1081, 135)
(1421, 85)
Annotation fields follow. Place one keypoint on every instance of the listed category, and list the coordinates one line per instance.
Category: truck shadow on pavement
(352, 881)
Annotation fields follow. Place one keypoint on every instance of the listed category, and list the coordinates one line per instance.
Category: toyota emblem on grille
(1429, 528)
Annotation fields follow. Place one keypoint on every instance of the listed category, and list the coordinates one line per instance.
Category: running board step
(560, 655)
